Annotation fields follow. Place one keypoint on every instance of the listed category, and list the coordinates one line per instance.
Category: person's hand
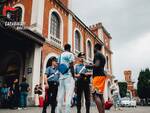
(77, 75)
(89, 66)
(29, 89)
(88, 74)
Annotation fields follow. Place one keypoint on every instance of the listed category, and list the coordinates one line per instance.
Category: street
(93, 110)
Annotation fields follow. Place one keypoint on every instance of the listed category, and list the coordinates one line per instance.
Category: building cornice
(23, 33)
(107, 33)
(108, 49)
(98, 26)
(78, 20)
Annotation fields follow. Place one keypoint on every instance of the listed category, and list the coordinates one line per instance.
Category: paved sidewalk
(73, 110)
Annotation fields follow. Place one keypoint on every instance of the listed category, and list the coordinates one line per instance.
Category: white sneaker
(19, 108)
(116, 109)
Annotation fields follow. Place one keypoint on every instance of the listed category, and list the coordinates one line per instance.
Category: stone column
(36, 68)
(37, 15)
(70, 29)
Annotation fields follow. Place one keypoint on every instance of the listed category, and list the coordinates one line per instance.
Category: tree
(143, 86)
(122, 88)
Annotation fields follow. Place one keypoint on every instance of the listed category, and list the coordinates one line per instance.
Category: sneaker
(116, 109)
(19, 108)
(24, 108)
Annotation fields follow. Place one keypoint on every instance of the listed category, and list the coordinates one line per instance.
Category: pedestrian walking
(40, 92)
(51, 83)
(36, 95)
(24, 89)
(116, 95)
(14, 94)
(67, 83)
(99, 77)
(0, 94)
(4, 95)
(82, 83)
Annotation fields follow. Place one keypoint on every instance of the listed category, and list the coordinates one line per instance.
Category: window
(55, 26)
(15, 15)
(77, 41)
(18, 14)
(89, 49)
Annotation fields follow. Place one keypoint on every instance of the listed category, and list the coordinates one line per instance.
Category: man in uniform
(51, 83)
(82, 83)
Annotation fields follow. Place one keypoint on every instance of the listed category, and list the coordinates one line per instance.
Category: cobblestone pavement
(93, 110)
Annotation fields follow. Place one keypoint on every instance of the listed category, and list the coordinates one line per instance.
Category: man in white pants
(116, 95)
(66, 82)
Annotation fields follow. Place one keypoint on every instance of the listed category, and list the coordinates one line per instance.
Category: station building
(48, 26)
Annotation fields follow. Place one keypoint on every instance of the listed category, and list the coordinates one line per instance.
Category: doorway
(10, 67)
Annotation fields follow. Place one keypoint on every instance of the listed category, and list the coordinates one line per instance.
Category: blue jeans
(116, 101)
(66, 88)
(23, 99)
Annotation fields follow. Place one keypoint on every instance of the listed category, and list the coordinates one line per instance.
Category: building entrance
(10, 67)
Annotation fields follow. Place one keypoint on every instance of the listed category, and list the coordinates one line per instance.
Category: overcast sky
(128, 22)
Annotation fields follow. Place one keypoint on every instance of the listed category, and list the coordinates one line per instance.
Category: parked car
(127, 102)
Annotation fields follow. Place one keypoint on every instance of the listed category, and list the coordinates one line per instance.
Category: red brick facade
(54, 20)
(101, 32)
(95, 34)
(27, 9)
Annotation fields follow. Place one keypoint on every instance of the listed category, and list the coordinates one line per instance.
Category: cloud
(134, 55)
(124, 19)
(128, 22)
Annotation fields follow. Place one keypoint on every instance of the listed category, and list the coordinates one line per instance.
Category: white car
(127, 102)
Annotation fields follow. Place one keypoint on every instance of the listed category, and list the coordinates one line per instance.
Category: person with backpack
(116, 95)
(82, 83)
(51, 83)
(24, 89)
(67, 83)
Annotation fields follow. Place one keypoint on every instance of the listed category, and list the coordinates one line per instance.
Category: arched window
(77, 41)
(15, 15)
(55, 25)
(18, 14)
(89, 49)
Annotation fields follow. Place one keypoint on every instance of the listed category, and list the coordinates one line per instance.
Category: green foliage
(122, 88)
(143, 86)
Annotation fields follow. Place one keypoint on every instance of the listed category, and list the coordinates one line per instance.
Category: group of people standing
(15, 96)
(60, 84)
